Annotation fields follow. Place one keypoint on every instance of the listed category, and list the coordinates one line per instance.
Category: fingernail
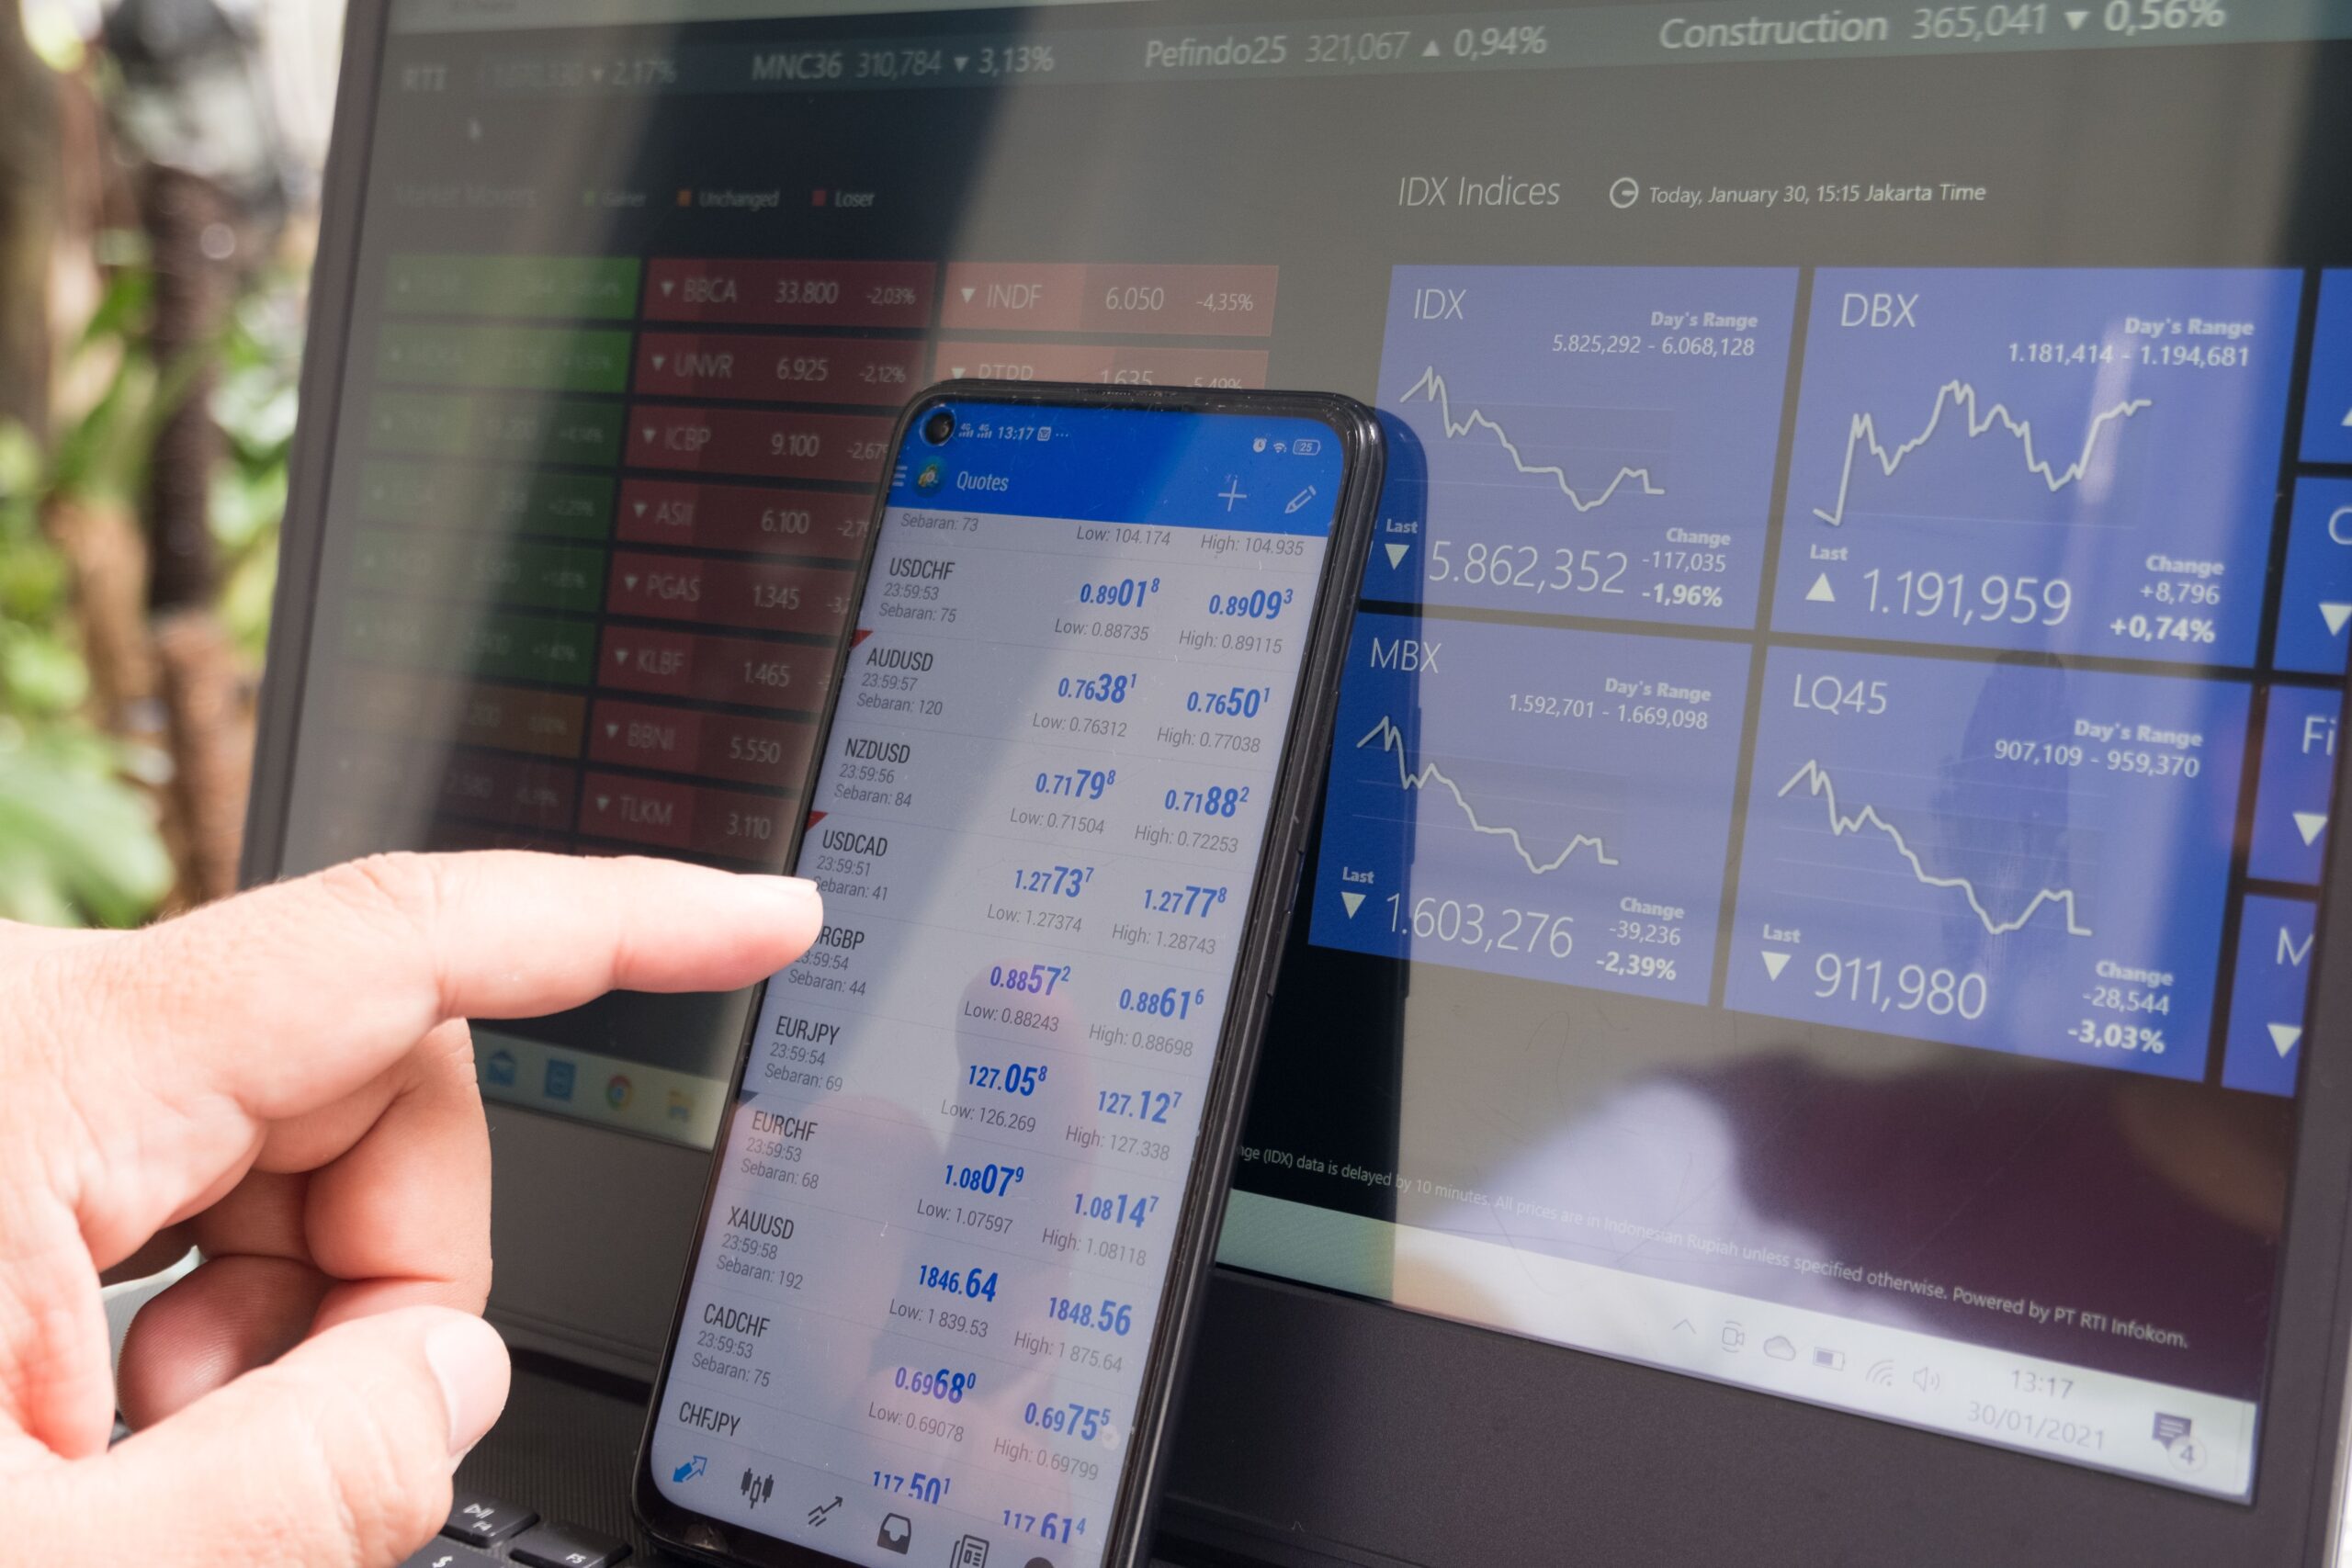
(795, 893)
(469, 1360)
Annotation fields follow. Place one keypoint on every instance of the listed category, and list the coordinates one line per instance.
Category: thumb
(336, 1455)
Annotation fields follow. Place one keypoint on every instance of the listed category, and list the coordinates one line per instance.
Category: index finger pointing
(288, 996)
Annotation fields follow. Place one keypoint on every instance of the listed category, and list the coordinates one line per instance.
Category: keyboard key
(449, 1554)
(485, 1522)
(567, 1546)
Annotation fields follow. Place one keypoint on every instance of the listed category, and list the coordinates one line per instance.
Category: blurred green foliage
(259, 358)
(78, 837)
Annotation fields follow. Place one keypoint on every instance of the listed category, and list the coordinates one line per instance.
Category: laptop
(1811, 1032)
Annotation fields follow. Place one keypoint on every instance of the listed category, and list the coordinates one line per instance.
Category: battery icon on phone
(1306, 446)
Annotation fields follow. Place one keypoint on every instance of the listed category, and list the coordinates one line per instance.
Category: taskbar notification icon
(2176, 1435)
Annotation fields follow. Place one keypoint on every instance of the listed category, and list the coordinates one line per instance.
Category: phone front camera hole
(938, 426)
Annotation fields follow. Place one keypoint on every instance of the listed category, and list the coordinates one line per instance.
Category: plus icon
(1232, 494)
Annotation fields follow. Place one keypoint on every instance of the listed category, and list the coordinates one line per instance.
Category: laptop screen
(1822, 862)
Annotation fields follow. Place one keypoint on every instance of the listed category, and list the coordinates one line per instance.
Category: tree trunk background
(210, 725)
(182, 213)
(192, 227)
(29, 193)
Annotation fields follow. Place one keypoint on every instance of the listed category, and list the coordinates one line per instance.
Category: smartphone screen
(950, 1198)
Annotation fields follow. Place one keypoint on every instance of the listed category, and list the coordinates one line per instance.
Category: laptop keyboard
(484, 1532)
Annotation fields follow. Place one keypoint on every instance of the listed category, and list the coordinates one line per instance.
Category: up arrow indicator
(1774, 962)
(2075, 19)
(1821, 592)
(2311, 824)
(1429, 51)
(2348, 412)
(2286, 1036)
(2334, 613)
(1396, 554)
(1354, 901)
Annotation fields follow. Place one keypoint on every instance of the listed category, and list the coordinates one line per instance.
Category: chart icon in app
(1599, 441)
(1546, 803)
(2067, 461)
(2007, 855)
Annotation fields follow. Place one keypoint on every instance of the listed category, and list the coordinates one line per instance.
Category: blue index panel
(2270, 1000)
(2316, 592)
(2327, 396)
(1599, 441)
(1156, 468)
(2069, 461)
(1547, 804)
(2008, 856)
(2298, 781)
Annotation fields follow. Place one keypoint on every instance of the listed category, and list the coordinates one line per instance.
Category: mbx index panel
(1821, 873)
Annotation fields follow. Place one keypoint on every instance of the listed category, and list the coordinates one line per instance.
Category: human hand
(285, 1080)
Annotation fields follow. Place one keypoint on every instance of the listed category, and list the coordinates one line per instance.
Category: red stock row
(880, 372)
(849, 448)
(523, 799)
(485, 800)
(567, 726)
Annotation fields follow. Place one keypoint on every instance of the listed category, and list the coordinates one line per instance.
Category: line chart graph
(1431, 386)
(1599, 441)
(1529, 801)
(1863, 437)
(1819, 785)
(2053, 460)
(2019, 857)
(1392, 740)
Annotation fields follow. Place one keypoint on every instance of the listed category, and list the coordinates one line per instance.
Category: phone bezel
(1193, 1247)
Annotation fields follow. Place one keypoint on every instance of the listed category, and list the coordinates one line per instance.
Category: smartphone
(970, 1176)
